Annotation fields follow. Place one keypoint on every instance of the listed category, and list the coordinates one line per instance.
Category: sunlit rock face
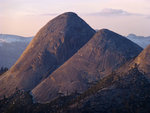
(55, 43)
(143, 61)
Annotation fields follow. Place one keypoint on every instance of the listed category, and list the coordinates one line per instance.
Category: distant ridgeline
(11, 47)
(140, 40)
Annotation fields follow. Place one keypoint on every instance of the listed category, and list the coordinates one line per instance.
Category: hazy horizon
(26, 17)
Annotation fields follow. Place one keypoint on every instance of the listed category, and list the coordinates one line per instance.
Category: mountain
(104, 53)
(55, 43)
(124, 91)
(140, 40)
(11, 47)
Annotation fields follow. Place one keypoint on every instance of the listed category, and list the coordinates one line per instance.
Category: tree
(3, 70)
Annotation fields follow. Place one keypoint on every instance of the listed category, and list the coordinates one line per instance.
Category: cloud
(114, 12)
(48, 14)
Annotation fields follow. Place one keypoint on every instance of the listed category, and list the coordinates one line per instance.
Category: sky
(26, 17)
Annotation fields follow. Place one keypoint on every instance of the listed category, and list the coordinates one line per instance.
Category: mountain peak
(55, 43)
(66, 16)
(108, 33)
(114, 41)
(69, 14)
(104, 30)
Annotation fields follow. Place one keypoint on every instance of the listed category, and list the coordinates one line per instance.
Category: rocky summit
(55, 43)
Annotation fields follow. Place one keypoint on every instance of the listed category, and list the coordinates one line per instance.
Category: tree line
(3, 70)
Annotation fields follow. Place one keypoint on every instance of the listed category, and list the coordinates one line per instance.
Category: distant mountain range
(6, 38)
(11, 47)
(140, 40)
(70, 68)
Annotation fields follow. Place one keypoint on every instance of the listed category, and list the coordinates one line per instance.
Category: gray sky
(26, 17)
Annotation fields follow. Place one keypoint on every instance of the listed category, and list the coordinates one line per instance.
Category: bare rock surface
(55, 43)
(104, 53)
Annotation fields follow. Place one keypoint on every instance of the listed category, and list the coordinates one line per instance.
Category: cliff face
(55, 43)
(104, 53)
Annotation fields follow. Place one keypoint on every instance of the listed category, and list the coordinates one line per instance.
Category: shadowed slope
(117, 93)
(56, 42)
(105, 52)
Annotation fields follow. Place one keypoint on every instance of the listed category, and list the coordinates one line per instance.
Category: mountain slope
(143, 61)
(56, 42)
(104, 53)
(11, 47)
(118, 93)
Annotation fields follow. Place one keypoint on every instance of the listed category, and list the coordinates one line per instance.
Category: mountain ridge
(96, 59)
